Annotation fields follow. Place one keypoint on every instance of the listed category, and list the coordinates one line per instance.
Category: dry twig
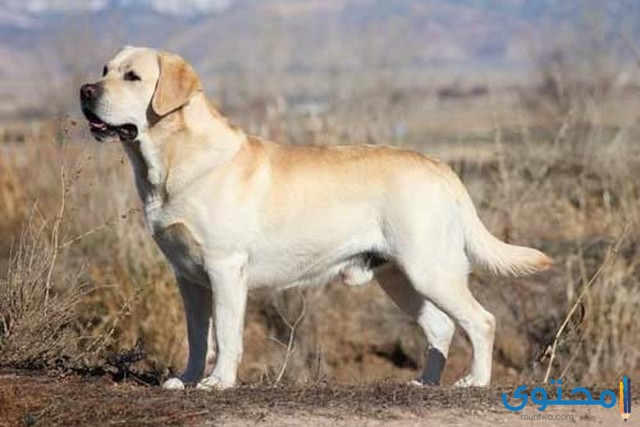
(611, 254)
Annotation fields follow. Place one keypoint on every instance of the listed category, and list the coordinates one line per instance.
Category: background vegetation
(547, 146)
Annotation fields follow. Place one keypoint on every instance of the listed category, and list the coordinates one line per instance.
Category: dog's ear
(177, 83)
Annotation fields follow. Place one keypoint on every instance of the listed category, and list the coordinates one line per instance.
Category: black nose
(89, 92)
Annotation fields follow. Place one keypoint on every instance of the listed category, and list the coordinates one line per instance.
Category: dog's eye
(104, 71)
(131, 76)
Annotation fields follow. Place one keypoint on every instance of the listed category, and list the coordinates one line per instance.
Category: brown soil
(38, 399)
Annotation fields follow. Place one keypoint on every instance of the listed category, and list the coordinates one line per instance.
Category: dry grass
(566, 183)
(39, 311)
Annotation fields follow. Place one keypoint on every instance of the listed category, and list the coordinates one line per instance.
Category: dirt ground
(39, 399)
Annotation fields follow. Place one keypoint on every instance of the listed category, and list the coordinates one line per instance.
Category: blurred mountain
(177, 7)
(237, 37)
(448, 30)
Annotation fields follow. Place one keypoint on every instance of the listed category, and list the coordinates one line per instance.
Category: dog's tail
(492, 253)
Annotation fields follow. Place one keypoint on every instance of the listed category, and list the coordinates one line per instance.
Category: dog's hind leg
(437, 326)
(446, 286)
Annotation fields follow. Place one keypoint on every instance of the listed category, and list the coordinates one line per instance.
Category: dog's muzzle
(101, 130)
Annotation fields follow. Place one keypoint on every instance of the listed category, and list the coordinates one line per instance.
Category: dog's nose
(89, 92)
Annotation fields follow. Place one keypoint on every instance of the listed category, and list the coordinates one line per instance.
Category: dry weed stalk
(612, 252)
(289, 346)
(37, 317)
(100, 227)
(102, 341)
(55, 239)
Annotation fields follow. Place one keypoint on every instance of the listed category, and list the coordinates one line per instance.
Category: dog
(232, 212)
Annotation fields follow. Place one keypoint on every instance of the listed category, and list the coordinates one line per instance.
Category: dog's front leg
(229, 302)
(197, 306)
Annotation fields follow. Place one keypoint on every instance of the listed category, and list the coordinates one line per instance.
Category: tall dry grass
(38, 308)
(565, 183)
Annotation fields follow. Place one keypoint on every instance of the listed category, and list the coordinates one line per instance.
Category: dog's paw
(470, 381)
(214, 383)
(173, 384)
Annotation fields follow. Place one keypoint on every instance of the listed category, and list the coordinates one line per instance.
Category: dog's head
(138, 87)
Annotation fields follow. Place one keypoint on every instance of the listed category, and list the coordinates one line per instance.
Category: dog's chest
(183, 252)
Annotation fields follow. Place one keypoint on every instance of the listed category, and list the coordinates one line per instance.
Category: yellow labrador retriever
(232, 212)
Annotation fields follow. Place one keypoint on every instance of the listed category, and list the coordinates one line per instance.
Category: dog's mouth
(102, 130)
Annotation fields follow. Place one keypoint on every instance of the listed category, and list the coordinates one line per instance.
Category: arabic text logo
(579, 396)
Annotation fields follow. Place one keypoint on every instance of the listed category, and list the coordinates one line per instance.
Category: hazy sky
(167, 6)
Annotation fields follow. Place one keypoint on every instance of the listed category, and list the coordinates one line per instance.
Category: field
(73, 401)
(110, 291)
(91, 321)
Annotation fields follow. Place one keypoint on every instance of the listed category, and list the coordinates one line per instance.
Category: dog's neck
(179, 148)
(149, 171)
